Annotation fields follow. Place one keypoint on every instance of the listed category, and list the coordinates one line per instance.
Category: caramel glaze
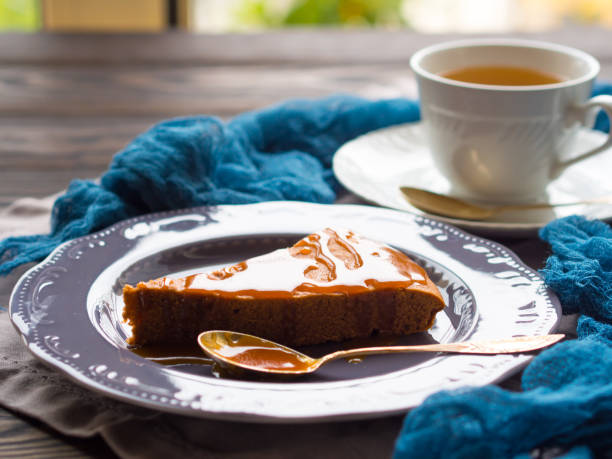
(253, 352)
(322, 258)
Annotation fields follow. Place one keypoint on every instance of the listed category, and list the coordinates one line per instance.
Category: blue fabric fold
(282, 152)
(567, 390)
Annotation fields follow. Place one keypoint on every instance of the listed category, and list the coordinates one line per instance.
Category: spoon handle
(499, 346)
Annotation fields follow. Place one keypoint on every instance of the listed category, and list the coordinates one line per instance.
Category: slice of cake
(330, 286)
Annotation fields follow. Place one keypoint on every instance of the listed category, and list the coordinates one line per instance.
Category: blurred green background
(267, 13)
(24, 15)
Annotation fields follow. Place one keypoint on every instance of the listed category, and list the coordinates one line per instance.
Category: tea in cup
(501, 116)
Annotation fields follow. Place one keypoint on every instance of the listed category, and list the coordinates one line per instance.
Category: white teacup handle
(605, 103)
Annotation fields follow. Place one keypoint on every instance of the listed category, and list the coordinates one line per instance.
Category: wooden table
(69, 102)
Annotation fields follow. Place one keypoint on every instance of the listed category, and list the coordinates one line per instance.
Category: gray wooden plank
(38, 183)
(157, 92)
(297, 45)
(69, 143)
(167, 91)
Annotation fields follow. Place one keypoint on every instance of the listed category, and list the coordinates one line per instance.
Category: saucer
(375, 165)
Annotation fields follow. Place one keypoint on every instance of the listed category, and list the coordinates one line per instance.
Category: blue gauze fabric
(279, 153)
(567, 398)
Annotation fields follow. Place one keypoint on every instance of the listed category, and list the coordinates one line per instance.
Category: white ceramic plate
(375, 165)
(68, 311)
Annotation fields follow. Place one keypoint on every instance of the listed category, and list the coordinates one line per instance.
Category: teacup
(502, 143)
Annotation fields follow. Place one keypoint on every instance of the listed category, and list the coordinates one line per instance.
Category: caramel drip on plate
(173, 354)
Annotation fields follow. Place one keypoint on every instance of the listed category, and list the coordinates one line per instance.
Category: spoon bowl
(233, 350)
(248, 352)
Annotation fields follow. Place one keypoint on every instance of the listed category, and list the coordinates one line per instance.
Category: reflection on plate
(489, 294)
(375, 165)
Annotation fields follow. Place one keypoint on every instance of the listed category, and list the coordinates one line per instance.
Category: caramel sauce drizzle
(173, 354)
(319, 257)
(324, 269)
(410, 270)
(191, 354)
(253, 352)
(343, 250)
(223, 273)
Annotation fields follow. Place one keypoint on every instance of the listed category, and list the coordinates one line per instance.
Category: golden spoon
(248, 352)
(453, 207)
